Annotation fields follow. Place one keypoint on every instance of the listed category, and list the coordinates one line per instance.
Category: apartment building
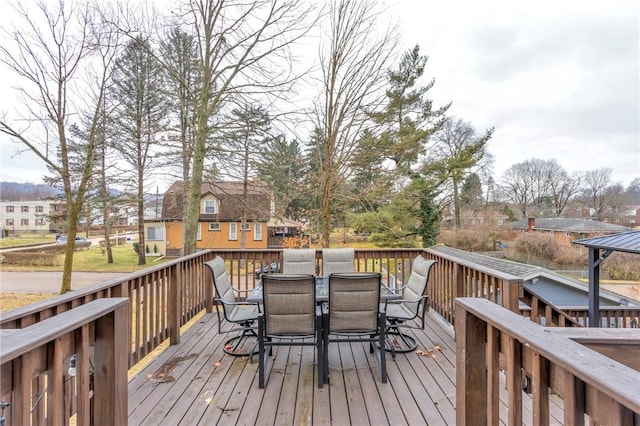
(30, 216)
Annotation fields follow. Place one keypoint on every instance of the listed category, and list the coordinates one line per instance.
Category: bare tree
(354, 65)
(562, 187)
(536, 185)
(243, 48)
(599, 190)
(48, 50)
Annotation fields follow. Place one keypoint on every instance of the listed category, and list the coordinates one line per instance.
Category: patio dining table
(322, 292)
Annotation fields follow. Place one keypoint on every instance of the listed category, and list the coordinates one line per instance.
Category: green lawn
(125, 259)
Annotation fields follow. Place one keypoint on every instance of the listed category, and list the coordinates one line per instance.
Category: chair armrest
(397, 301)
(217, 299)
(241, 291)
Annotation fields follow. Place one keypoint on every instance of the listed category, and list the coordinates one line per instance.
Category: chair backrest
(417, 283)
(354, 302)
(222, 284)
(299, 261)
(289, 303)
(337, 260)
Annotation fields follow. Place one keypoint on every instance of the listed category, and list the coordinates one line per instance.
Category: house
(31, 216)
(221, 209)
(566, 230)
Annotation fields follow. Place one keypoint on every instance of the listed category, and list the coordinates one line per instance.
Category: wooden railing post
(460, 280)
(175, 302)
(513, 290)
(110, 368)
(471, 372)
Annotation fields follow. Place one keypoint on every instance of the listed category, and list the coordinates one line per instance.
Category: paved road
(48, 282)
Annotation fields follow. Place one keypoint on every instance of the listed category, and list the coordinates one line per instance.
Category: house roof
(628, 242)
(230, 195)
(573, 225)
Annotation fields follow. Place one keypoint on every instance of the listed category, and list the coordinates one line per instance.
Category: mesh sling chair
(340, 260)
(299, 261)
(411, 305)
(243, 314)
(291, 317)
(354, 314)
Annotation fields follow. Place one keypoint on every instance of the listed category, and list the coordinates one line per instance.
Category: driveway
(49, 282)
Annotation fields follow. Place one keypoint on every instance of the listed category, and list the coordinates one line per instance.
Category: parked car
(271, 268)
(81, 242)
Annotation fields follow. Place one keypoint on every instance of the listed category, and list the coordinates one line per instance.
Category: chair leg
(381, 349)
(261, 351)
(320, 352)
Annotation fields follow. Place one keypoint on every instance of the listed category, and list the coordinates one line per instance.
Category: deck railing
(163, 298)
(74, 363)
(539, 360)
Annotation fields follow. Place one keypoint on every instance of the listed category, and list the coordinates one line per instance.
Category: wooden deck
(195, 383)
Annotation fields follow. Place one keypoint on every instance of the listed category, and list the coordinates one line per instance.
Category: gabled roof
(230, 195)
(628, 242)
(573, 225)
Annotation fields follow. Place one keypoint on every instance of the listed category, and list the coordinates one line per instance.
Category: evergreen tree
(140, 118)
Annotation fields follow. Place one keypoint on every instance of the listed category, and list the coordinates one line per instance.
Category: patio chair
(299, 261)
(290, 318)
(354, 314)
(337, 261)
(243, 314)
(411, 305)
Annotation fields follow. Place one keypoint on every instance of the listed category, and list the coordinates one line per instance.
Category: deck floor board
(195, 383)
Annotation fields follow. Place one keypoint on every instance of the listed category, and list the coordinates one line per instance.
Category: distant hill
(16, 191)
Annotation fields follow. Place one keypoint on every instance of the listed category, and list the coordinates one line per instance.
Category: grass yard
(90, 260)
(125, 259)
(27, 239)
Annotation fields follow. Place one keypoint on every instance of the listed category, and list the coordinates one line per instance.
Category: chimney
(531, 223)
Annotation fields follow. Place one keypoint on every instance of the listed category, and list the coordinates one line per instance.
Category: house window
(9, 222)
(39, 209)
(198, 232)
(257, 232)
(233, 231)
(24, 209)
(214, 226)
(210, 207)
(9, 209)
(247, 226)
(39, 222)
(155, 233)
(24, 222)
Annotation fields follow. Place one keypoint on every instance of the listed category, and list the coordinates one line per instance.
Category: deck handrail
(36, 360)
(589, 382)
(164, 297)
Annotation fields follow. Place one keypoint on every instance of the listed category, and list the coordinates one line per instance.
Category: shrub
(136, 247)
(622, 266)
(538, 245)
(155, 248)
(21, 258)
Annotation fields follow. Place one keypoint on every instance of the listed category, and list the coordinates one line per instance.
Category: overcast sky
(557, 79)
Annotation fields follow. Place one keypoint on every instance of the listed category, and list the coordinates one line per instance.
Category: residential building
(566, 230)
(31, 216)
(221, 210)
